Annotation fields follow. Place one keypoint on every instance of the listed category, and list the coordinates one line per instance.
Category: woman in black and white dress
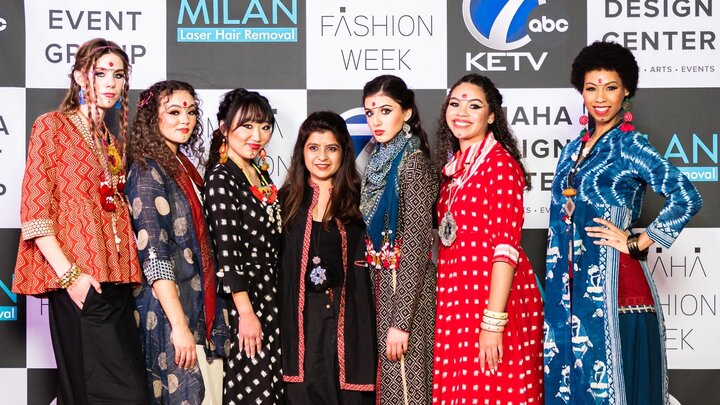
(244, 219)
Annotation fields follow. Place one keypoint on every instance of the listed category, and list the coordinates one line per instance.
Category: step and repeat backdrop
(312, 55)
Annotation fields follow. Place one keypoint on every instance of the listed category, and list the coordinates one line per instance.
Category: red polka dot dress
(485, 197)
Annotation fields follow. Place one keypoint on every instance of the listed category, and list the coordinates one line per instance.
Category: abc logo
(549, 26)
(511, 24)
(545, 24)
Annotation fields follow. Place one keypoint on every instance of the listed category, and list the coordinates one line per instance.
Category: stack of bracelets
(634, 250)
(69, 277)
(494, 321)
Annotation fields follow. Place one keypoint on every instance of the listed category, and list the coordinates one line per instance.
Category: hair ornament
(141, 103)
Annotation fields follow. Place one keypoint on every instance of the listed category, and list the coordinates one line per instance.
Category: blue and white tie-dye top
(616, 172)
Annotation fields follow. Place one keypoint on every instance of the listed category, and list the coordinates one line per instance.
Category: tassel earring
(223, 151)
(406, 130)
(627, 117)
(81, 96)
(584, 133)
(118, 104)
(263, 163)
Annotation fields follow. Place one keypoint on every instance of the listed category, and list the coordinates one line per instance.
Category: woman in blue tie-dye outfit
(603, 324)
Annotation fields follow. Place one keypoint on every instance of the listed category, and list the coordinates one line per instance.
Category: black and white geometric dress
(246, 235)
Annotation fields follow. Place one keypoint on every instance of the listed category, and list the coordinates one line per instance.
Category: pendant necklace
(578, 159)
(318, 272)
(447, 229)
(112, 183)
(267, 194)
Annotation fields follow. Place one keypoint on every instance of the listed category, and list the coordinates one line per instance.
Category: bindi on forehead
(373, 104)
(464, 96)
(184, 103)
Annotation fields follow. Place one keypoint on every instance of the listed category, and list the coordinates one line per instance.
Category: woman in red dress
(488, 337)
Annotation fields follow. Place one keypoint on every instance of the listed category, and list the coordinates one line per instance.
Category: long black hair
(395, 88)
(248, 106)
(345, 198)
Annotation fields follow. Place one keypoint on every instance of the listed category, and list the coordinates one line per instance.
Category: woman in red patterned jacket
(77, 246)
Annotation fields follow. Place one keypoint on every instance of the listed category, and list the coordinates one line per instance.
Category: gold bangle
(492, 328)
(70, 276)
(495, 315)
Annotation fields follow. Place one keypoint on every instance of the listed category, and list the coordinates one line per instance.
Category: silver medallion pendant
(318, 274)
(447, 229)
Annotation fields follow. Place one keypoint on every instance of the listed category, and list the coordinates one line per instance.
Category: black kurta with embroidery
(356, 347)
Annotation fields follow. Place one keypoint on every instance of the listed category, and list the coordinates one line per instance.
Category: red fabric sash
(185, 179)
(633, 288)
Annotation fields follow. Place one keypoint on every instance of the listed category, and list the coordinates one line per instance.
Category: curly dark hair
(395, 88)
(345, 199)
(237, 107)
(447, 144)
(145, 140)
(85, 59)
(605, 56)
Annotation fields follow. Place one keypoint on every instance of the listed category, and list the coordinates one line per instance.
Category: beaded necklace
(112, 182)
(569, 190)
(267, 194)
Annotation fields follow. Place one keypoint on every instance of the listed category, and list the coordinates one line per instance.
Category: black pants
(97, 349)
(321, 385)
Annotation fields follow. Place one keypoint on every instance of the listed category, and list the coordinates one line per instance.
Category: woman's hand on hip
(608, 235)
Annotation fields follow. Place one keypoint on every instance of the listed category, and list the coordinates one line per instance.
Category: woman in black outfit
(328, 324)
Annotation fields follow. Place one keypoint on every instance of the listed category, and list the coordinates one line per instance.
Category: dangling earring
(406, 130)
(263, 163)
(81, 95)
(118, 104)
(627, 117)
(223, 151)
(584, 133)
